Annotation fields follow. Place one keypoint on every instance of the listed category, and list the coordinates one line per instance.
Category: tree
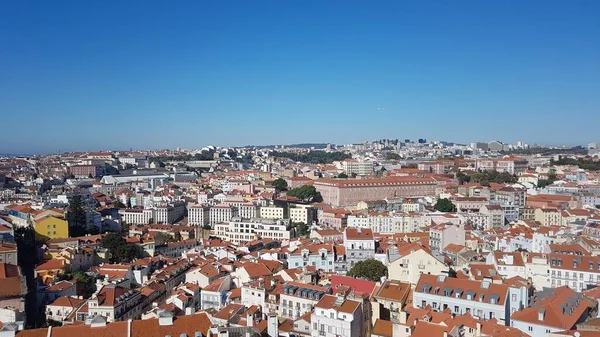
(444, 205)
(207, 227)
(371, 270)
(462, 178)
(126, 253)
(112, 241)
(353, 175)
(280, 184)
(161, 239)
(342, 176)
(119, 204)
(392, 156)
(306, 193)
(302, 228)
(89, 284)
(76, 216)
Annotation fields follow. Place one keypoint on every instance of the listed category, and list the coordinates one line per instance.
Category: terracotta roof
(67, 301)
(555, 307)
(359, 233)
(479, 291)
(329, 302)
(382, 328)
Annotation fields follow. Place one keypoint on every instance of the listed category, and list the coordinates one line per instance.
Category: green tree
(463, 178)
(88, 282)
(126, 253)
(119, 204)
(342, 176)
(444, 205)
(302, 228)
(161, 239)
(280, 184)
(306, 193)
(372, 270)
(112, 241)
(76, 216)
(392, 156)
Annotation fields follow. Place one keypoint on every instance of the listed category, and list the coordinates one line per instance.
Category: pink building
(351, 191)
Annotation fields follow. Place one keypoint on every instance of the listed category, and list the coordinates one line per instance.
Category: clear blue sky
(91, 75)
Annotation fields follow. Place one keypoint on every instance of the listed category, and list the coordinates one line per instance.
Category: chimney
(249, 319)
(273, 325)
(402, 317)
(189, 311)
(541, 314)
(478, 330)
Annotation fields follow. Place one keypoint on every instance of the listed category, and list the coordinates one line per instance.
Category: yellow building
(51, 227)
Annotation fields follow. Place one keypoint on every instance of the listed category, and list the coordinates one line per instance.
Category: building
(407, 263)
(198, 215)
(345, 192)
(12, 293)
(115, 303)
(136, 216)
(248, 211)
(51, 227)
(222, 213)
(356, 167)
(298, 299)
(240, 230)
(337, 316)
(271, 212)
(320, 256)
(444, 234)
(507, 164)
(85, 171)
(483, 299)
(554, 310)
(359, 245)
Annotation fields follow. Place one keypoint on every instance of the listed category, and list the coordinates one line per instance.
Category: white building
(361, 168)
(444, 234)
(320, 256)
(271, 212)
(297, 299)
(359, 244)
(136, 216)
(240, 230)
(222, 213)
(248, 211)
(198, 215)
(336, 316)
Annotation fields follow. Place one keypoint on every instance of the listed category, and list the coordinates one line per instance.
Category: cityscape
(300, 168)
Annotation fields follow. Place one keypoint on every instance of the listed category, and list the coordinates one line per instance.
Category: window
(530, 328)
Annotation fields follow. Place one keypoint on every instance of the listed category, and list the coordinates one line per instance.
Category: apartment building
(511, 165)
(169, 213)
(575, 271)
(248, 211)
(320, 256)
(554, 310)
(359, 244)
(470, 204)
(337, 316)
(347, 192)
(495, 214)
(198, 215)
(360, 168)
(136, 216)
(298, 299)
(271, 212)
(444, 234)
(115, 303)
(385, 222)
(548, 216)
(301, 213)
(240, 230)
(436, 167)
(483, 299)
(222, 213)
(407, 263)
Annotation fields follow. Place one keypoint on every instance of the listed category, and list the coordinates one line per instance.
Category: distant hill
(300, 146)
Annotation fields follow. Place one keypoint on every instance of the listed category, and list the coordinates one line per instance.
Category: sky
(96, 75)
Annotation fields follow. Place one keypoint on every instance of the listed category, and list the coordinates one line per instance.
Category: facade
(360, 168)
(483, 299)
(337, 316)
(271, 212)
(320, 256)
(248, 211)
(170, 213)
(198, 215)
(442, 235)
(298, 299)
(115, 303)
(412, 261)
(240, 230)
(84, 171)
(136, 216)
(347, 192)
(51, 228)
(222, 213)
(359, 245)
